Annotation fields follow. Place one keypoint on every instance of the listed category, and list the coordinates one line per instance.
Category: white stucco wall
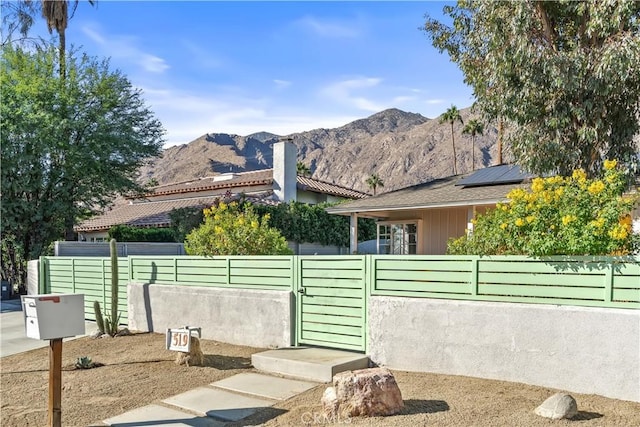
(577, 349)
(257, 318)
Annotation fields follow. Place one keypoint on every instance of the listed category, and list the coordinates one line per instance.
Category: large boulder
(558, 406)
(194, 357)
(365, 392)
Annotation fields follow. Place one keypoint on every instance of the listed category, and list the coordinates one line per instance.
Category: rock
(558, 406)
(194, 357)
(123, 332)
(367, 392)
(96, 334)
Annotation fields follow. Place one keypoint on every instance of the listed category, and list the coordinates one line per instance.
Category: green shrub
(228, 230)
(127, 233)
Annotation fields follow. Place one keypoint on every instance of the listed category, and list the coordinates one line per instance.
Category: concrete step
(309, 363)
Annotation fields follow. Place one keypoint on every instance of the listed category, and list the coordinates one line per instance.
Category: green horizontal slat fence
(90, 276)
(331, 292)
(584, 281)
(244, 272)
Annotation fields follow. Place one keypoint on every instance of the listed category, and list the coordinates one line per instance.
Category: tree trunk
(61, 56)
(500, 131)
(473, 152)
(453, 142)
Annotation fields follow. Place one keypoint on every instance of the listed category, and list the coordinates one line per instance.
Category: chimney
(285, 171)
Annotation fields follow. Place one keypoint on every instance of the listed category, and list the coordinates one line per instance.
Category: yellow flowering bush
(229, 230)
(557, 215)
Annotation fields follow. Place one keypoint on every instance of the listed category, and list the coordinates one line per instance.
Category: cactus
(109, 323)
(99, 319)
(114, 318)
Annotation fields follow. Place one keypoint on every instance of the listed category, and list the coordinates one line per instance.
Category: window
(398, 238)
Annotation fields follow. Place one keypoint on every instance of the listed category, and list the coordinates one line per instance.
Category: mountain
(402, 148)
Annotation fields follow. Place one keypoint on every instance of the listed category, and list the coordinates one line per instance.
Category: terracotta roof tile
(154, 210)
(310, 184)
(155, 214)
(260, 177)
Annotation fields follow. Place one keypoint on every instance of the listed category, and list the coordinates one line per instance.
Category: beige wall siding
(438, 225)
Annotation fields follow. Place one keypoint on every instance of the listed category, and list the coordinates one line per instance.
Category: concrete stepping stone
(156, 415)
(218, 403)
(271, 387)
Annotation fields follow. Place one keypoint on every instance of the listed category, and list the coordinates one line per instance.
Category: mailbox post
(53, 317)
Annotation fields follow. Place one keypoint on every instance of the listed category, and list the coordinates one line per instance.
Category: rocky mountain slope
(402, 148)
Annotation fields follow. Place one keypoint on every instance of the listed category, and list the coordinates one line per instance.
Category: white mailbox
(48, 317)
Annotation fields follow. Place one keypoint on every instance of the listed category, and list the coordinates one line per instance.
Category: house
(267, 186)
(421, 219)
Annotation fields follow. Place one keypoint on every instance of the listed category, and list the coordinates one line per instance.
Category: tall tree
(20, 16)
(303, 170)
(374, 182)
(67, 150)
(473, 127)
(565, 76)
(451, 116)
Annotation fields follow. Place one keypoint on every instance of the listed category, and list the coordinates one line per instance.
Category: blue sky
(282, 67)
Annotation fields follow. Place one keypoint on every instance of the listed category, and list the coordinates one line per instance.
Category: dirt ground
(138, 371)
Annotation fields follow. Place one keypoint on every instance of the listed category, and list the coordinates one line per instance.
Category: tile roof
(154, 213)
(154, 210)
(433, 194)
(244, 179)
(254, 178)
(317, 186)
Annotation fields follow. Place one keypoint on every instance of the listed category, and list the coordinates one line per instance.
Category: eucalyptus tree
(67, 149)
(451, 116)
(564, 76)
(374, 181)
(473, 127)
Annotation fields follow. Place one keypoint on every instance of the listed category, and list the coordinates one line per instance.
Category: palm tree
(452, 115)
(303, 170)
(55, 13)
(374, 182)
(473, 128)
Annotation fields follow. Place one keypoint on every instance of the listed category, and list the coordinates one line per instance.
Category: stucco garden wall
(578, 349)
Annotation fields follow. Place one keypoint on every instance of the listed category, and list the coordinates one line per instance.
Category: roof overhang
(381, 212)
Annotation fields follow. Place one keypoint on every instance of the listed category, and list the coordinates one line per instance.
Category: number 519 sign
(180, 339)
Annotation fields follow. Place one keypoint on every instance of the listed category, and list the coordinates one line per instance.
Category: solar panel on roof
(502, 174)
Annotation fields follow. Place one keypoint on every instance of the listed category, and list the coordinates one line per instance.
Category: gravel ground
(138, 371)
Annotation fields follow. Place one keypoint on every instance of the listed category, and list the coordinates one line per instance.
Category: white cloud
(202, 56)
(401, 99)
(281, 84)
(343, 92)
(124, 48)
(327, 28)
(153, 63)
(93, 35)
(434, 101)
(188, 115)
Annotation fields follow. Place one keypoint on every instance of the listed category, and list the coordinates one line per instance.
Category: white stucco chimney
(284, 171)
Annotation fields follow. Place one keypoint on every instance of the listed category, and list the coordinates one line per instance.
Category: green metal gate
(331, 302)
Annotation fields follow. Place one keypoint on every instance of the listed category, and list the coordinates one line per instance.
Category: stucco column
(353, 233)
